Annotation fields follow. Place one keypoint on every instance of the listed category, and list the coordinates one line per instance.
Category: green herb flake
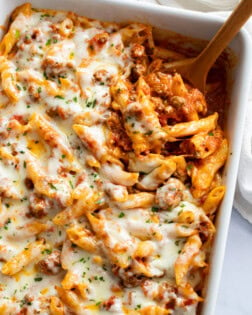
(210, 133)
(121, 215)
(59, 97)
(91, 103)
(44, 15)
(38, 279)
(17, 34)
(189, 166)
(48, 43)
(6, 224)
(148, 133)
(46, 251)
(179, 213)
(71, 184)
(154, 209)
(52, 186)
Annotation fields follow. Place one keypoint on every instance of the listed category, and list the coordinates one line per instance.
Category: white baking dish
(191, 24)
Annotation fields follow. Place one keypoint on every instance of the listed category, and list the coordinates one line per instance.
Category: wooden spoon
(195, 70)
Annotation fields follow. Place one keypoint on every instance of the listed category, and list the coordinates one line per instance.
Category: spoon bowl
(195, 70)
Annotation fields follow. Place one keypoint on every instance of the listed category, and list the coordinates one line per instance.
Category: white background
(235, 290)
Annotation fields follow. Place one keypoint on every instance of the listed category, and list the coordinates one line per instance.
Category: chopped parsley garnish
(121, 215)
(59, 97)
(210, 133)
(177, 243)
(38, 279)
(179, 213)
(6, 224)
(168, 221)
(148, 133)
(71, 184)
(39, 89)
(45, 75)
(52, 186)
(46, 251)
(45, 15)
(154, 209)
(91, 103)
(17, 34)
(49, 41)
(189, 166)
(63, 156)
(75, 99)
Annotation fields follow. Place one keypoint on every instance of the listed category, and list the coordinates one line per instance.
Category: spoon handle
(222, 38)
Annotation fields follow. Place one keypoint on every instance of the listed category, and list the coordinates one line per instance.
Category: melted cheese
(42, 61)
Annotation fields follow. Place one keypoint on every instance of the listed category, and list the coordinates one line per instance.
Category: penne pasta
(110, 169)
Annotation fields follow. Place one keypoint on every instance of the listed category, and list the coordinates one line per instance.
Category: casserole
(147, 20)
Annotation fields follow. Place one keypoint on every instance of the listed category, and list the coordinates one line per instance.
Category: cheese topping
(95, 217)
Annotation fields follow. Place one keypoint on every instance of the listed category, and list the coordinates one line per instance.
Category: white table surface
(234, 296)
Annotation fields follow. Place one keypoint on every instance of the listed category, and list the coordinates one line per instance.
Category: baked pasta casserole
(110, 171)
